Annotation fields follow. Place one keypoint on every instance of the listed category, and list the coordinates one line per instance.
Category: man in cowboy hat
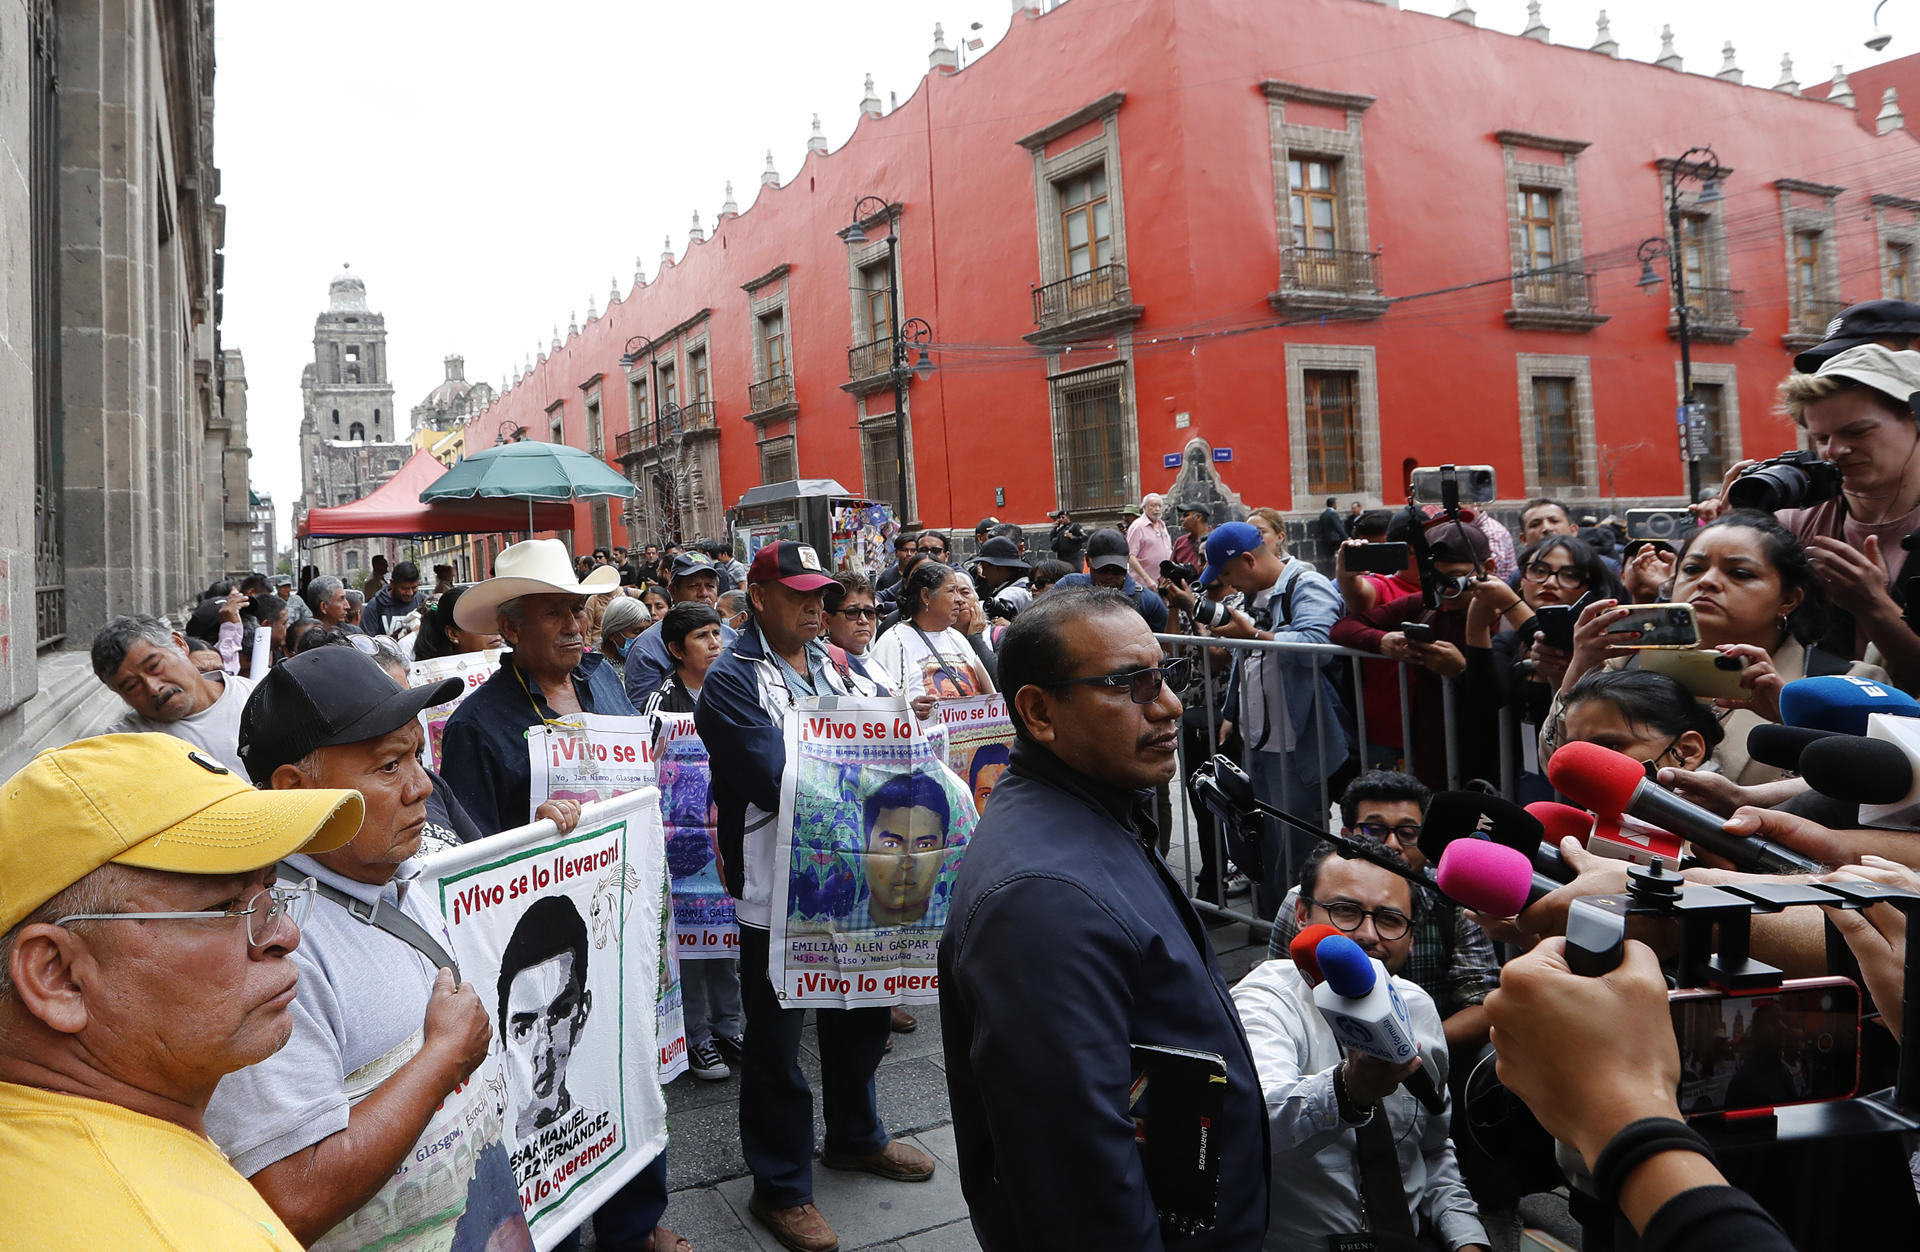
(539, 611)
(144, 955)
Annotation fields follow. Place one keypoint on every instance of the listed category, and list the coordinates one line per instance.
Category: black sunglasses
(1142, 686)
(869, 611)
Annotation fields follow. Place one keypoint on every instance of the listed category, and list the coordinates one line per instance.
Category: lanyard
(938, 659)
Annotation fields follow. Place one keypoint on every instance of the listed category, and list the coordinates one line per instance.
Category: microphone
(1490, 879)
(1781, 746)
(1301, 951)
(1881, 771)
(1476, 815)
(1841, 703)
(1611, 783)
(1366, 1012)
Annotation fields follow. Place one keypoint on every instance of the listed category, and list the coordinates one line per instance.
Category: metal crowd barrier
(1182, 854)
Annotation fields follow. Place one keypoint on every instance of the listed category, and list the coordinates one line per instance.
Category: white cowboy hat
(536, 567)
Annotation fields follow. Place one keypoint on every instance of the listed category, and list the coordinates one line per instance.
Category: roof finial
(1668, 59)
(1462, 12)
(729, 207)
(1787, 82)
(593, 312)
(694, 233)
(942, 57)
(613, 292)
(1890, 117)
(817, 142)
(1841, 92)
(639, 273)
(770, 177)
(556, 335)
(870, 102)
(1536, 29)
(1603, 41)
(1729, 72)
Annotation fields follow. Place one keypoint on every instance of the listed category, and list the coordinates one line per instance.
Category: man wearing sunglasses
(1354, 1154)
(336, 1126)
(144, 954)
(1069, 947)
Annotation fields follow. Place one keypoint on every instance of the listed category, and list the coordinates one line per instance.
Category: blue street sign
(1170, 460)
(1223, 454)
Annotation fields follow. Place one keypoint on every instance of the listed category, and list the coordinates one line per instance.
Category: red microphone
(1302, 951)
(1561, 820)
(1613, 784)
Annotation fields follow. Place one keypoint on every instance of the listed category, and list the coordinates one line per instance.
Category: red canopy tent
(394, 509)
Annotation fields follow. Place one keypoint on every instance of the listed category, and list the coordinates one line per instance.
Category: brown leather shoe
(902, 1162)
(800, 1228)
(902, 1022)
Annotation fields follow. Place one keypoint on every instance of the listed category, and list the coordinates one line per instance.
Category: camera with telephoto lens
(1176, 572)
(1791, 480)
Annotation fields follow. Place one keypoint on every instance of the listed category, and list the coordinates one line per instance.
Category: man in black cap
(1890, 323)
(648, 665)
(1067, 539)
(1107, 566)
(983, 528)
(1196, 523)
(1001, 573)
(383, 1036)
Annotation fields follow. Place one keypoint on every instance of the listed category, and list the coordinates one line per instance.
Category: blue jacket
(1312, 606)
(649, 663)
(741, 718)
(483, 754)
(1151, 606)
(1068, 941)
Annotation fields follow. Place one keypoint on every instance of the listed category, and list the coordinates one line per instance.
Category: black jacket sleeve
(1713, 1219)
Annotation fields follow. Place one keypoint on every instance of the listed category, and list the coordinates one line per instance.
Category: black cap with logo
(323, 698)
(1862, 323)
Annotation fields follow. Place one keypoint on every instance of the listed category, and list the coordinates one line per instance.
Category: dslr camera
(1791, 480)
(1176, 572)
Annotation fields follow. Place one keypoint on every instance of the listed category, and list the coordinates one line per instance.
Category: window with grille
(880, 460)
(1895, 286)
(776, 460)
(1086, 221)
(1313, 188)
(1089, 411)
(1556, 433)
(1712, 397)
(1333, 430)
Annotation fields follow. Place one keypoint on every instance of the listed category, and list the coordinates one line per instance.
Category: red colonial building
(1331, 238)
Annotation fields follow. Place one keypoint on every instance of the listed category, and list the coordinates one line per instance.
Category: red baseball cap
(790, 564)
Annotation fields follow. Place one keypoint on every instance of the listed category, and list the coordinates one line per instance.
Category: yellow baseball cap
(152, 801)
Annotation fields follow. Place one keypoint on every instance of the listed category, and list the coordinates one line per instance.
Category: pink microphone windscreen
(1486, 876)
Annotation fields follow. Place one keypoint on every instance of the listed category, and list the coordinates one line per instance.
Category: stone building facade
(263, 541)
(111, 368)
(452, 402)
(349, 436)
(230, 511)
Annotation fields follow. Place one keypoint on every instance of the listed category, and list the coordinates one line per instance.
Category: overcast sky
(488, 166)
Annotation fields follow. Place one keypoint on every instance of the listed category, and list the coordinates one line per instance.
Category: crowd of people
(266, 785)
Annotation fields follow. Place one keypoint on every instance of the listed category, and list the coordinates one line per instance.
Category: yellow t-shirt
(86, 1174)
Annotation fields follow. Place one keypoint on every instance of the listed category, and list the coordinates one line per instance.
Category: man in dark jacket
(1107, 567)
(1067, 539)
(387, 606)
(1070, 940)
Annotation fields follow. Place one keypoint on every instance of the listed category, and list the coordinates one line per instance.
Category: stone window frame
(1051, 171)
(767, 295)
(1800, 218)
(1726, 376)
(1129, 421)
(774, 445)
(1356, 359)
(862, 255)
(1896, 223)
(557, 421)
(1564, 181)
(594, 408)
(1346, 147)
(1718, 268)
(1530, 365)
(866, 421)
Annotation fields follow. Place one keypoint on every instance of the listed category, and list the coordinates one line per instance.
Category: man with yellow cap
(143, 956)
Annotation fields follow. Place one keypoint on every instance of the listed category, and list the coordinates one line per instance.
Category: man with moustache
(1069, 940)
(144, 955)
(332, 1127)
(149, 668)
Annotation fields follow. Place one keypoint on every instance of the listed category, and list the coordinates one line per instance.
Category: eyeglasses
(1143, 686)
(1405, 834)
(1566, 575)
(931, 551)
(263, 911)
(858, 614)
(1389, 924)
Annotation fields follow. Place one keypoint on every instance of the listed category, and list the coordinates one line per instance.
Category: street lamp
(911, 335)
(1702, 166)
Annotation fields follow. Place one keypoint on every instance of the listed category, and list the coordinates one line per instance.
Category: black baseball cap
(1195, 506)
(1107, 549)
(985, 523)
(1858, 324)
(1003, 552)
(692, 563)
(323, 698)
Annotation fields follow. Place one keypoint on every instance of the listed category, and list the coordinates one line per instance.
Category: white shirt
(214, 729)
(1316, 1186)
(949, 669)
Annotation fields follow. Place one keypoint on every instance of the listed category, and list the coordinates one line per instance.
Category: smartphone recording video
(1798, 1043)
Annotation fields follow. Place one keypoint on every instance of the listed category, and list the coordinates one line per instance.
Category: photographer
(1068, 539)
(1857, 415)
(1000, 573)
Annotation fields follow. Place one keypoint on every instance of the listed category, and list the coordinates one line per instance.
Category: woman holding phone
(1753, 597)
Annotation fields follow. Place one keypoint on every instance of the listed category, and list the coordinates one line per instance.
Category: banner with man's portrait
(562, 935)
(873, 825)
(472, 668)
(979, 742)
(702, 909)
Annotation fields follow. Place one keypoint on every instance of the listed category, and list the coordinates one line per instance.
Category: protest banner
(702, 908)
(593, 757)
(562, 937)
(873, 824)
(979, 742)
(472, 668)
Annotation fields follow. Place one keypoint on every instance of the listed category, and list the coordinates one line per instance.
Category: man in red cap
(779, 659)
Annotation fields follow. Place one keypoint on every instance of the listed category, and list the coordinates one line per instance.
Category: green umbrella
(529, 471)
